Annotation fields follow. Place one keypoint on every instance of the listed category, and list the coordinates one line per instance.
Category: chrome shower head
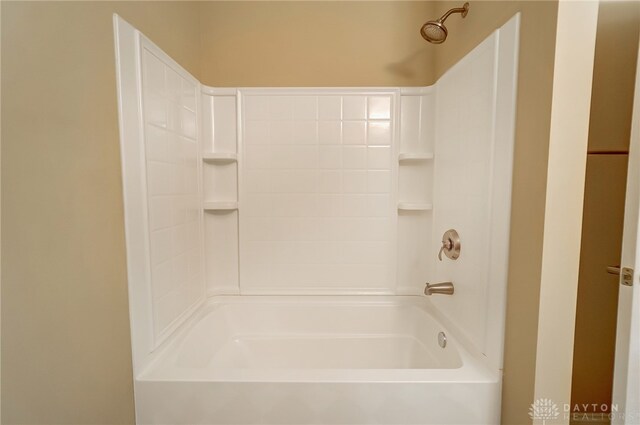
(435, 32)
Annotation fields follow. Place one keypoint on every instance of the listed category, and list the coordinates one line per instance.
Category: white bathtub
(316, 360)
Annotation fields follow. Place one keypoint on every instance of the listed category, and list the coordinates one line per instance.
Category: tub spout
(445, 288)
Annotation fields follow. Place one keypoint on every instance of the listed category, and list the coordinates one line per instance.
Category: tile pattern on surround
(172, 190)
(318, 206)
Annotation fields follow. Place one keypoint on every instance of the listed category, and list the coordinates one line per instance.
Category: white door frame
(626, 392)
(570, 110)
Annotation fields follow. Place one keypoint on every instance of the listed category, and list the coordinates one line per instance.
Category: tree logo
(543, 409)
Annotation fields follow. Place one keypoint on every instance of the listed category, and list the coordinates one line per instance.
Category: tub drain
(442, 339)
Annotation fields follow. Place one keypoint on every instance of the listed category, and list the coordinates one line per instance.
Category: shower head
(435, 32)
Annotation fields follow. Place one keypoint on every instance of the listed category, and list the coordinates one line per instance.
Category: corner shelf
(414, 206)
(415, 157)
(220, 206)
(220, 157)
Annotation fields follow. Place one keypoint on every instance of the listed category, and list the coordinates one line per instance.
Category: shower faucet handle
(450, 245)
(445, 245)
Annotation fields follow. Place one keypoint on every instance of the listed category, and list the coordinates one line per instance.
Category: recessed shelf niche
(219, 122)
(415, 189)
(219, 153)
(220, 182)
(415, 180)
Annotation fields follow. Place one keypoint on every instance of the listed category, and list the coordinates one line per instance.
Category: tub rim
(474, 368)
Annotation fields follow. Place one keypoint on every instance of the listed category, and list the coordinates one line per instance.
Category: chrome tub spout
(445, 288)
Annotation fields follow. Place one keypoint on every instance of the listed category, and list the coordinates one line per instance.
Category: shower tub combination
(279, 242)
(325, 360)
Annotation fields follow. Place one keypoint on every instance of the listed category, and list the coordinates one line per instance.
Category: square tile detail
(171, 145)
(317, 194)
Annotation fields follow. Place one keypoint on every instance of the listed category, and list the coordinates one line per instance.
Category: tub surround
(244, 205)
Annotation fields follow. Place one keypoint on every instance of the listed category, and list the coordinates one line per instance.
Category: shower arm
(462, 10)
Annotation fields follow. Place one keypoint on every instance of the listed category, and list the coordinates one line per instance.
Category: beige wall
(614, 76)
(65, 331)
(537, 47)
(609, 133)
(315, 44)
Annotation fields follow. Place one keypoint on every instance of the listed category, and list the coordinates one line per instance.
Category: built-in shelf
(220, 157)
(220, 206)
(415, 156)
(415, 206)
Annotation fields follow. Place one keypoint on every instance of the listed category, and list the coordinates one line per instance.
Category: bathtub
(316, 360)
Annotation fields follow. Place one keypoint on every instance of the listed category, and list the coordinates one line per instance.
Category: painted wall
(537, 47)
(315, 43)
(66, 354)
(609, 133)
(614, 76)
